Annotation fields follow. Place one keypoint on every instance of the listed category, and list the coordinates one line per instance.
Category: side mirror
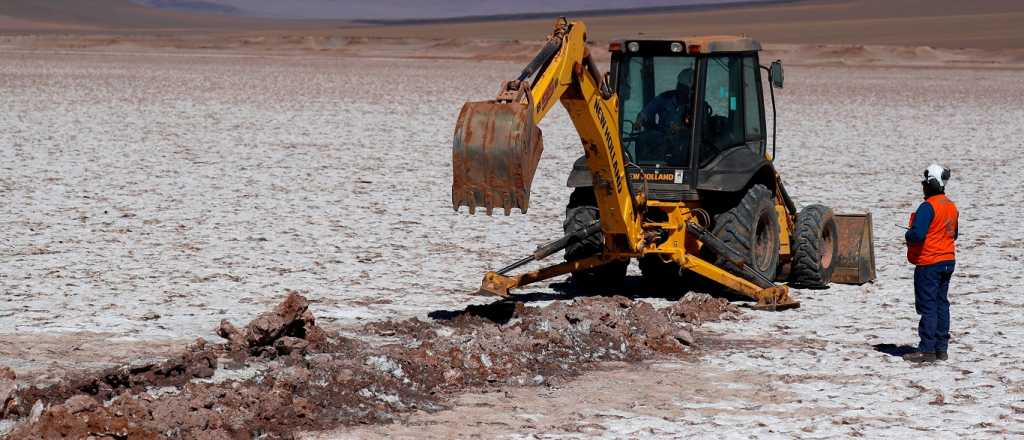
(775, 73)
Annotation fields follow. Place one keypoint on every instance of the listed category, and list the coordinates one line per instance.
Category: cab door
(753, 106)
(730, 129)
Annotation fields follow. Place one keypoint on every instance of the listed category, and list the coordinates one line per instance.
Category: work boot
(941, 355)
(919, 357)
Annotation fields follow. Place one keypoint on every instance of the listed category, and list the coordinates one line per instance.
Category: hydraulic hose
(554, 246)
(549, 50)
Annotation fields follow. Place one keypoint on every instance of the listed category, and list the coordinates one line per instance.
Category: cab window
(657, 108)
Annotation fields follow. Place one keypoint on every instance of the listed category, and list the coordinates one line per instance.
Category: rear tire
(815, 247)
(752, 229)
(579, 213)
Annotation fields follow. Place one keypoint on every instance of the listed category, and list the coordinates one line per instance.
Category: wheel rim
(762, 244)
(827, 244)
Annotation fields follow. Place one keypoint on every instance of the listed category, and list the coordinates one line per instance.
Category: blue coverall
(664, 111)
(931, 287)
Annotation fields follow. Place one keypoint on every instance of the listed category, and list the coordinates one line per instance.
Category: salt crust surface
(199, 188)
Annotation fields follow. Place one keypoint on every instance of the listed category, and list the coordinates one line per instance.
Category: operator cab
(692, 114)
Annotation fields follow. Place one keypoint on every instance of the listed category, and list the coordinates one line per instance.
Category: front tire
(579, 213)
(752, 229)
(815, 247)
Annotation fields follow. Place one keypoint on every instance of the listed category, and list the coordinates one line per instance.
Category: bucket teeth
(495, 153)
(489, 200)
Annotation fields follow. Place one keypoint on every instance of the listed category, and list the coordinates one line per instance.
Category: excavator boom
(498, 145)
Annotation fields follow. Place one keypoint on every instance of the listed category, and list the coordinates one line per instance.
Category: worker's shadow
(634, 287)
(894, 350)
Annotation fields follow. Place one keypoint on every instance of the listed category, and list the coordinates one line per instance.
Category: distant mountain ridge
(197, 6)
(120, 15)
(415, 10)
(585, 13)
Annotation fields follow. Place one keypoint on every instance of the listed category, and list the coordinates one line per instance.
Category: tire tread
(807, 270)
(734, 227)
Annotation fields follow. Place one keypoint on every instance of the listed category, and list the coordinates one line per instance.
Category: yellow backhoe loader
(676, 171)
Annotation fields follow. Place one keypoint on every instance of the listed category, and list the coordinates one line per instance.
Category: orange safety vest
(939, 244)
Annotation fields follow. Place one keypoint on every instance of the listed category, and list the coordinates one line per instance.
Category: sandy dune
(939, 23)
(941, 33)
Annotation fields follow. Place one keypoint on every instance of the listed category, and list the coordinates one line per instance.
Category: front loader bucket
(855, 263)
(494, 156)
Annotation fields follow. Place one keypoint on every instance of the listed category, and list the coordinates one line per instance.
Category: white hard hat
(938, 173)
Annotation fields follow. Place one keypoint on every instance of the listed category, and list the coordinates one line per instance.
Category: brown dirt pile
(289, 327)
(696, 308)
(282, 374)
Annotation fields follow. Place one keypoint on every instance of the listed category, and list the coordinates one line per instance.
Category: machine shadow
(636, 287)
(498, 312)
(894, 350)
(502, 310)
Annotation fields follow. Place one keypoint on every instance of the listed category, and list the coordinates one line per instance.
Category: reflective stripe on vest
(939, 245)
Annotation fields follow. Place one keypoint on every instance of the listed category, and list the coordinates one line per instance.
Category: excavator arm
(498, 145)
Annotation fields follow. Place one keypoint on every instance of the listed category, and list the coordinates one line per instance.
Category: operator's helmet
(935, 177)
(685, 79)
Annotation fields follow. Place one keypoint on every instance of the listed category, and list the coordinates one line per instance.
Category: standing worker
(931, 248)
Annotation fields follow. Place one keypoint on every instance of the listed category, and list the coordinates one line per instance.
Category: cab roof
(704, 44)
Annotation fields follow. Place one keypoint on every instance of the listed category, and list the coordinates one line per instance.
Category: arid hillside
(992, 24)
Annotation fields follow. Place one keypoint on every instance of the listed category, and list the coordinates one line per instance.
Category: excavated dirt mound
(281, 373)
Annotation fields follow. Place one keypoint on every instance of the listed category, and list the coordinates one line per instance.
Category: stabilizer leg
(497, 284)
(771, 297)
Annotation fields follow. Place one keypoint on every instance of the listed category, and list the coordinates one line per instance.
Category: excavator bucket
(495, 153)
(855, 263)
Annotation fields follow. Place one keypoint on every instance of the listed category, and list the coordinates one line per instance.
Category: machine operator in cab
(931, 248)
(670, 111)
(664, 123)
